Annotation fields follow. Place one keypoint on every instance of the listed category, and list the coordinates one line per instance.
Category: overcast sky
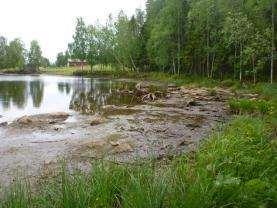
(52, 22)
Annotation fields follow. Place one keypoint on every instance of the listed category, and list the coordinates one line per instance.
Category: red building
(76, 62)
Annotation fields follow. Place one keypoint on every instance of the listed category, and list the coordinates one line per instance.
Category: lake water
(29, 95)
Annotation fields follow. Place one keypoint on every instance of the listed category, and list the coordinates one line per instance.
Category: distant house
(76, 62)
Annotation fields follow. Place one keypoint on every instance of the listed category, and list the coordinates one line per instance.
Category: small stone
(113, 143)
(185, 142)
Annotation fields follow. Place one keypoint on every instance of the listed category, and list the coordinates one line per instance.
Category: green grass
(243, 106)
(235, 167)
(66, 71)
(10, 71)
(129, 74)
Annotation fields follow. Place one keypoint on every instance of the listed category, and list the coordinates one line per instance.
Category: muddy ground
(33, 145)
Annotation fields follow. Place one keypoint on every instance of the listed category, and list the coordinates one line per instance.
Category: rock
(113, 143)
(57, 128)
(191, 102)
(24, 120)
(3, 124)
(97, 120)
(121, 148)
(41, 119)
(185, 142)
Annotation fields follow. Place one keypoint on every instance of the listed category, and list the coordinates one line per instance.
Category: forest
(211, 38)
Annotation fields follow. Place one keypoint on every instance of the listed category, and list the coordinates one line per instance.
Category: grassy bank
(235, 167)
(109, 72)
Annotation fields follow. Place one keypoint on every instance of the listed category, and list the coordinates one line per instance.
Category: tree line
(13, 55)
(212, 38)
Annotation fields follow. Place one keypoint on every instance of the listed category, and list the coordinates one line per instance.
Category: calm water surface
(29, 95)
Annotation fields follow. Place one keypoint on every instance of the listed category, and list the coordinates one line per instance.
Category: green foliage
(78, 48)
(12, 55)
(241, 106)
(15, 54)
(62, 59)
(34, 55)
(211, 38)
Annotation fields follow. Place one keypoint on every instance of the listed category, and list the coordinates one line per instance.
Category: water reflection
(64, 87)
(28, 95)
(90, 95)
(36, 91)
(13, 93)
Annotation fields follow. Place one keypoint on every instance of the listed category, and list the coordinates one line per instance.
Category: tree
(237, 30)
(3, 52)
(34, 56)
(15, 54)
(45, 62)
(62, 59)
(273, 40)
(213, 38)
(166, 41)
(79, 45)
